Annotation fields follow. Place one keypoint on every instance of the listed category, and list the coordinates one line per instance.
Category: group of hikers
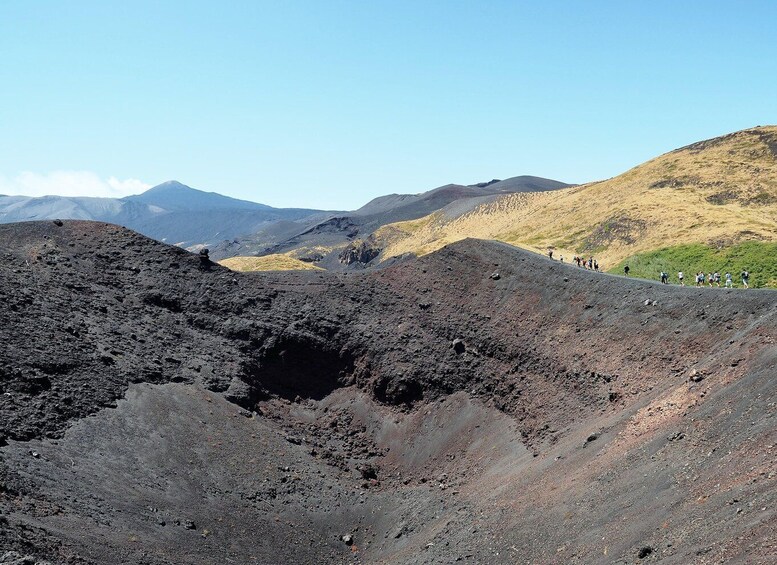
(712, 279)
(581, 262)
(591, 263)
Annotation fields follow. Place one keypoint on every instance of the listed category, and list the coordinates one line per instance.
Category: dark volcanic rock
(361, 253)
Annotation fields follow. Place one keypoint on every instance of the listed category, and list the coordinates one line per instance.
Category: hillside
(323, 240)
(718, 193)
(158, 408)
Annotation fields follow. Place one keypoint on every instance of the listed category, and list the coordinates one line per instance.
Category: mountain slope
(325, 239)
(170, 212)
(718, 192)
(444, 195)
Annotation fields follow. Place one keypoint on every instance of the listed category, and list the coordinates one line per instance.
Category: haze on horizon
(327, 105)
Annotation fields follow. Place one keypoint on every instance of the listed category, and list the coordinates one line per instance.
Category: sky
(327, 104)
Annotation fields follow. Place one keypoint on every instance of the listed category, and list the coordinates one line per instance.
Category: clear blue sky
(328, 104)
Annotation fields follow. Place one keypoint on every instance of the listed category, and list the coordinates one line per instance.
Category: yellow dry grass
(720, 192)
(267, 263)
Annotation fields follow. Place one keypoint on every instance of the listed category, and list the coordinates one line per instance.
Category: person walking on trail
(626, 270)
(664, 277)
(596, 265)
(550, 253)
(729, 282)
(717, 278)
(680, 278)
(745, 278)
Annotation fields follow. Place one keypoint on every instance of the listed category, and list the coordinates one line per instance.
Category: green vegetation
(760, 258)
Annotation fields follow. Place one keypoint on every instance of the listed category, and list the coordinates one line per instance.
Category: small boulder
(495, 276)
(458, 345)
(695, 376)
(368, 471)
(589, 439)
(347, 539)
(644, 551)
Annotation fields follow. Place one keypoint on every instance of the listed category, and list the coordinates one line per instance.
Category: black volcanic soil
(158, 408)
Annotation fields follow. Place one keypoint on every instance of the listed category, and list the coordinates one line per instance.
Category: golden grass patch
(267, 263)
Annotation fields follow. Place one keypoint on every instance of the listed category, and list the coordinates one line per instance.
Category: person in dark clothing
(626, 270)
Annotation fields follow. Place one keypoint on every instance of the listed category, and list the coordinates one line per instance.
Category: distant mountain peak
(173, 195)
(169, 185)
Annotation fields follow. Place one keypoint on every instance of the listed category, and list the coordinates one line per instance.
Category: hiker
(550, 253)
(710, 279)
(626, 270)
(680, 278)
(716, 275)
(664, 277)
(590, 262)
(729, 282)
(561, 258)
(745, 278)
(596, 265)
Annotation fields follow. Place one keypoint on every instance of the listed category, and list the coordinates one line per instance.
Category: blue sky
(327, 104)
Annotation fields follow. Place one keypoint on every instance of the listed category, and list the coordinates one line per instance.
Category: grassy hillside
(267, 263)
(717, 193)
(757, 257)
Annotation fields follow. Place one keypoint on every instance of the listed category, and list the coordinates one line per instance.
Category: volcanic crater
(158, 408)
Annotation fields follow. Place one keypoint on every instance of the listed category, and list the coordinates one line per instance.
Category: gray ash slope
(161, 409)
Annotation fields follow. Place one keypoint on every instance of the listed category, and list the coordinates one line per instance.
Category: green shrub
(758, 257)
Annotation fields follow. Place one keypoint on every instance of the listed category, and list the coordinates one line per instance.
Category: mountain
(171, 212)
(324, 241)
(679, 211)
(158, 408)
(417, 204)
(174, 196)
